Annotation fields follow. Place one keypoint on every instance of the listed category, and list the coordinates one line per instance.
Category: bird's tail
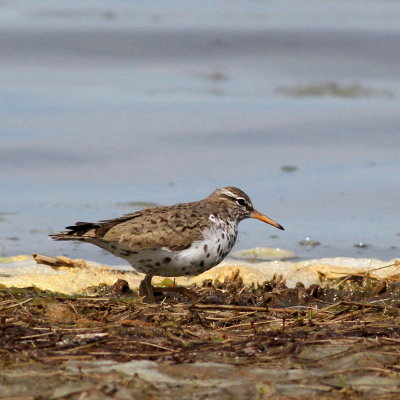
(81, 231)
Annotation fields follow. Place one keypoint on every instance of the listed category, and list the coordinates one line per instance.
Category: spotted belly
(199, 257)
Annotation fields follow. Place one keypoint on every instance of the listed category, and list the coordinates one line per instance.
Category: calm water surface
(114, 103)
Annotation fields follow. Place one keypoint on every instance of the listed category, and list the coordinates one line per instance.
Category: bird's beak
(257, 215)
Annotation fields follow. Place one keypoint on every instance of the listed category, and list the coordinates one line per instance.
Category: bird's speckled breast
(202, 255)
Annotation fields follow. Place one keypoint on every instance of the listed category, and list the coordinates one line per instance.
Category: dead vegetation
(268, 326)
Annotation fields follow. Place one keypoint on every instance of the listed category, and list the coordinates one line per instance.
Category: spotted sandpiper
(183, 239)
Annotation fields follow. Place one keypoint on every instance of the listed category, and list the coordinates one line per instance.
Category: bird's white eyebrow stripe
(228, 193)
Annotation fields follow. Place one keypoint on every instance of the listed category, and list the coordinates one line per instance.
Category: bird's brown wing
(147, 229)
(153, 230)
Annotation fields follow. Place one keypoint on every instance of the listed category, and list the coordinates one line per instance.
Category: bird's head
(239, 206)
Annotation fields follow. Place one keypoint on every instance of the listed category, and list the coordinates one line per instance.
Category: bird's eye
(240, 201)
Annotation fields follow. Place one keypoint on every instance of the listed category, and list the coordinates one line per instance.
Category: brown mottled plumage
(183, 239)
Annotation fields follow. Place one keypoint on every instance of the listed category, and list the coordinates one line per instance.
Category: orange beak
(257, 215)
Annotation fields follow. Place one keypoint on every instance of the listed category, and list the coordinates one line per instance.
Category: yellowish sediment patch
(78, 275)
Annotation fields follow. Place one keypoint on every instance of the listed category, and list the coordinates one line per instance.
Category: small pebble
(309, 242)
(120, 286)
(361, 245)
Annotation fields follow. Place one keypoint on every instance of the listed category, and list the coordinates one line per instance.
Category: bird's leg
(146, 289)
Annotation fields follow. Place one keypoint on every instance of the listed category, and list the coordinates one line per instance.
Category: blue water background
(105, 103)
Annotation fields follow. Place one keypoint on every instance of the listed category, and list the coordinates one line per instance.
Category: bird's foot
(147, 290)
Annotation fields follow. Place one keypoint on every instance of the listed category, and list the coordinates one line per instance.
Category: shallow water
(106, 104)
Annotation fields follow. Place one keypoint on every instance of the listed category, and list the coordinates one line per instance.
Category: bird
(179, 240)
